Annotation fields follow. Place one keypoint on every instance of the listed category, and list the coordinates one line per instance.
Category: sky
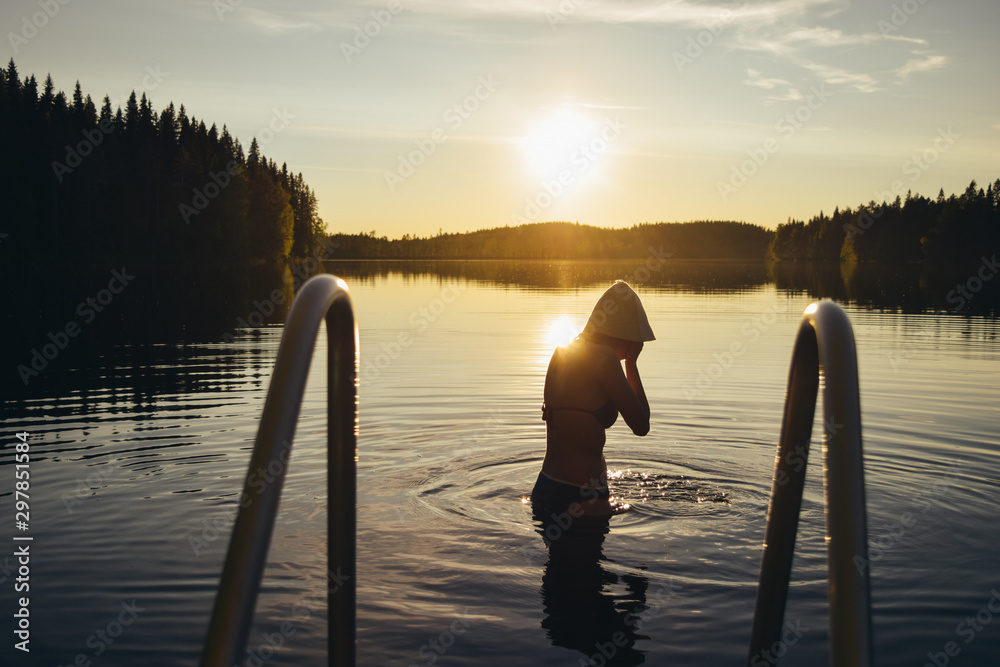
(420, 116)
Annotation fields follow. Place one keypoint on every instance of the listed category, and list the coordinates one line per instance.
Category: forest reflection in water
(906, 288)
(174, 309)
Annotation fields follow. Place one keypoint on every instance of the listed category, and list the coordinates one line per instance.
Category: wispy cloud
(828, 37)
(678, 12)
(865, 61)
(787, 93)
(397, 135)
(351, 131)
(278, 23)
(789, 32)
(790, 95)
(687, 13)
(925, 64)
(836, 76)
(755, 79)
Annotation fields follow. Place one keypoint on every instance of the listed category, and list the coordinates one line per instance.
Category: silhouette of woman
(585, 390)
(586, 606)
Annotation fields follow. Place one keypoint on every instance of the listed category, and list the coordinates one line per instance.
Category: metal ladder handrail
(321, 297)
(824, 349)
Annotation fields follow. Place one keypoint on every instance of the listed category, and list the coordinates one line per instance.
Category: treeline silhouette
(952, 230)
(565, 240)
(202, 225)
(99, 186)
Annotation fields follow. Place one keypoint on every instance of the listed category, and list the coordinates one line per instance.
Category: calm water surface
(137, 462)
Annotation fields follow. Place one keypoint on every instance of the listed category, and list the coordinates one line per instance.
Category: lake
(138, 459)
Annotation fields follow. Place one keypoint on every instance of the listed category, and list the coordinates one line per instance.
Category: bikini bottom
(554, 496)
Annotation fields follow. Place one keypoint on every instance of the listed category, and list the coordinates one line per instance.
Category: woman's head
(619, 314)
(619, 346)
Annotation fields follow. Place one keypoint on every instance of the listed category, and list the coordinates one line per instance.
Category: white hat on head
(620, 314)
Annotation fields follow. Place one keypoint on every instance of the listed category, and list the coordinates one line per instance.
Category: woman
(585, 390)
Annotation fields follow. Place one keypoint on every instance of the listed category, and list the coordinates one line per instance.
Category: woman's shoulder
(587, 351)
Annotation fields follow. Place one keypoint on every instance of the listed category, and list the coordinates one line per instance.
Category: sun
(561, 142)
(561, 332)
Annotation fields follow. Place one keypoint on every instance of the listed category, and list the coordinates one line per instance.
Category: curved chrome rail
(824, 350)
(322, 297)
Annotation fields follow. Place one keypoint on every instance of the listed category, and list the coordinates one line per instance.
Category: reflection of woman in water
(586, 607)
(585, 390)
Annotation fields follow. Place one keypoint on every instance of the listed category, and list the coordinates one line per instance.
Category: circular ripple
(494, 487)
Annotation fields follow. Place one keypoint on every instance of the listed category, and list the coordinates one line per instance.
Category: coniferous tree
(158, 193)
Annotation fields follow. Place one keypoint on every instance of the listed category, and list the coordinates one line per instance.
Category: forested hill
(95, 195)
(565, 240)
(947, 230)
(100, 186)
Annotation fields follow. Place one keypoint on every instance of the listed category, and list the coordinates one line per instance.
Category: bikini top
(606, 415)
